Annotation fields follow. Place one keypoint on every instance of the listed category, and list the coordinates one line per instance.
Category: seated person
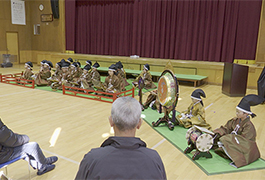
(95, 76)
(85, 81)
(112, 82)
(70, 60)
(74, 72)
(63, 78)
(28, 71)
(147, 78)
(122, 156)
(13, 145)
(151, 100)
(44, 73)
(89, 63)
(237, 138)
(56, 75)
(195, 114)
(122, 75)
(79, 69)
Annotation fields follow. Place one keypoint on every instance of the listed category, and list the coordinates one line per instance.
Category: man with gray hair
(122, 156)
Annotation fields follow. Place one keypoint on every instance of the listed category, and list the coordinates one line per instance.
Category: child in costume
(63, 78)
(56, 75)
(112, 82)
(44, 74)
(85, 81)
(147, 78)
(28, 71)
(122, 75)
(95, 76)
(89, 63)
(74, 72)
(236, 140)
(79, 69)
(195, 114)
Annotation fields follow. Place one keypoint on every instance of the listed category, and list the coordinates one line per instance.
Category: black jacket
(122, 158)
(9, 140)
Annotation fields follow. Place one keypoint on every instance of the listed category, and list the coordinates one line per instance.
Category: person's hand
(216, 137)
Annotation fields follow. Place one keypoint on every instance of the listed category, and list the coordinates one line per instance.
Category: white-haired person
(13, 145)
(122, 156)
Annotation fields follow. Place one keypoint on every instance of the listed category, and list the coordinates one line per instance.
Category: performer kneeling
(112, 82)
(236, 140)
(195, 114)
(85, 80)
(44, 74)
(95, 76)
(147, 78)
(28, 71)
(63, 78)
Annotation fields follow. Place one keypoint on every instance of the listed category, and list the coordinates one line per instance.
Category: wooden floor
(84, 125)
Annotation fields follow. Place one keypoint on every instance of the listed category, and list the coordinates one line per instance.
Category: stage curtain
(219, 30)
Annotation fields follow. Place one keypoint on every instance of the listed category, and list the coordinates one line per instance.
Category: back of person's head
(126, 113)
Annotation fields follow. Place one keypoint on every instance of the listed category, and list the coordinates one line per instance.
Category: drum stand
(166, 119)
(198, 153)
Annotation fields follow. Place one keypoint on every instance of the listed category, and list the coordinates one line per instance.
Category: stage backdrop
(220, 30)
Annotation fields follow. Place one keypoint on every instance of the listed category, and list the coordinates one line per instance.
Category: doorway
(12, 46)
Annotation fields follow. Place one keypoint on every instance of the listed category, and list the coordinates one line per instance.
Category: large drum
(166, 91)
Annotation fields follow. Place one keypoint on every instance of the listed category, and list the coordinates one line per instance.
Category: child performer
(57, 74)
(79, 69)
(147, 78)
(44, 74)
(74, 74)
(237, 138)
(28, 71)
(63, 78)
(120, 75)
(89, 63)
(95, 76)
(85, 80)
(195, 114)
(112, 82)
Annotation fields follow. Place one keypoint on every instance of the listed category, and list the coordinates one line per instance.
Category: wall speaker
(55, 8)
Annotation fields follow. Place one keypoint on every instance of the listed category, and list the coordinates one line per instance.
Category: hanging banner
(18, 13)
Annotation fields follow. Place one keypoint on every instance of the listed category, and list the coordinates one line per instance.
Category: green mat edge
(205, 171)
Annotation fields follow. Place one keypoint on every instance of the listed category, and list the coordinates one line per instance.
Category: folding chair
(4, 165)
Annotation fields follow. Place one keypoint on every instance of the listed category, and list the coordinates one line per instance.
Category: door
(12, 46)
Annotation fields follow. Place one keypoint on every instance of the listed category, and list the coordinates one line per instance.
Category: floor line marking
(62, 157)
(155, 146)
(209, 106)
(14, 93)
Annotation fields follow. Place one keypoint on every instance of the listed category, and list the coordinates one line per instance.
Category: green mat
(211, 166)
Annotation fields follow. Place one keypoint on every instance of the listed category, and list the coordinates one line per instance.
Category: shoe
(51, 160)
(45, 168)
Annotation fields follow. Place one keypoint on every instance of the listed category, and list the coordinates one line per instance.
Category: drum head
(166, 91)
(204, 142)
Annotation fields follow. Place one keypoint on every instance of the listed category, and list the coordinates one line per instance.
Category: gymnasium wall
(52, 35)
(50, 45)
(24, 31)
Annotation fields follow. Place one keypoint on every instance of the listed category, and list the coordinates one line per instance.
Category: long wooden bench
(195, 79)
